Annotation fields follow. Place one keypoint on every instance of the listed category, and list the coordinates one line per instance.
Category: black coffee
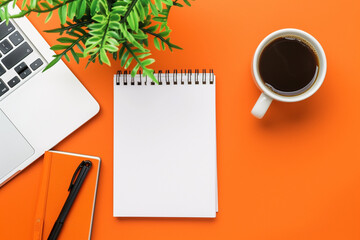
(288, 66)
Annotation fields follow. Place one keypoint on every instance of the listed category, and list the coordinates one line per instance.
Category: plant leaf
(159, 5)
(48, 17)
(187, 3)
(156, 43)
(58, 47)
(94, 7)
(81, 8)
(103, 57)
(62, 14)
(52, 63)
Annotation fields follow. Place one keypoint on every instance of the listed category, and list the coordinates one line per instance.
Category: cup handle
(261, 106)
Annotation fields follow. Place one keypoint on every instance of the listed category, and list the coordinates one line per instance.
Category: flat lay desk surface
(293, 175)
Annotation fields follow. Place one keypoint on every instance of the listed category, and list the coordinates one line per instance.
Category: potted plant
(94, 29)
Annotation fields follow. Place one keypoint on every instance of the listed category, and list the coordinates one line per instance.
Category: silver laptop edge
(43, 110)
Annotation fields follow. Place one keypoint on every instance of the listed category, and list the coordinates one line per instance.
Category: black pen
(75, 185)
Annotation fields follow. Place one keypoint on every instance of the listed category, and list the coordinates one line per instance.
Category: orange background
(293, 175)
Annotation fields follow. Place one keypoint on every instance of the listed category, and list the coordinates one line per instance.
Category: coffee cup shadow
(284, 115)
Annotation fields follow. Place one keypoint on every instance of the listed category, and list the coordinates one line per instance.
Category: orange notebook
(59, 168)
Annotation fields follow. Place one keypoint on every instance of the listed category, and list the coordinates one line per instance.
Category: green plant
(93, 29)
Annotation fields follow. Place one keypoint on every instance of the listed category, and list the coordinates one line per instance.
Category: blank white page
(165, 148)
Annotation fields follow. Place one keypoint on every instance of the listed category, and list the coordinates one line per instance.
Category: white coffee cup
(267, 94)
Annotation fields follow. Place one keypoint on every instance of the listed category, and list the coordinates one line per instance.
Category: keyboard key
(3, 88)
(5, 46)
(2, 70)
(13, 82)
(17, 55)
(23, 70)
(25, 73)
(36, 64)
(21, 67)
(6, 29)
(16, 38)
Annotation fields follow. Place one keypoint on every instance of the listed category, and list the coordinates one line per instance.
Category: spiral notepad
(165, 145)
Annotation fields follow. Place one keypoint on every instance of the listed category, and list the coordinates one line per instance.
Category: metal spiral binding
(140, 81)
(167, 77)
(212, 76)
(125, 78)
(159, 77)
(118, 75)
(185, 76)
(181, 77)
(175, 77)
(132, 80)
(189, 76)
(196, 76)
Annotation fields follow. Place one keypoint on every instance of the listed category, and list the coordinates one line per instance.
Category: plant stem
(105, 32)
(93, 56)
(5, 3)
(23, 13)
(158, 36)
(146, 71)
(79, 24)
(74, 43)
(134, 56)
(128, 11)
(91, 59)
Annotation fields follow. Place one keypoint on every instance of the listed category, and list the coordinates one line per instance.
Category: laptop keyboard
(19, 60)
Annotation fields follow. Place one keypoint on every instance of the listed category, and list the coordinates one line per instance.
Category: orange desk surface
(293, 175)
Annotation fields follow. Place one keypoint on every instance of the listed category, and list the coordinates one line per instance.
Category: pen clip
(87, 164)
(81, 165)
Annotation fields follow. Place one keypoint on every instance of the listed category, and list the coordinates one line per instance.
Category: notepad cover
(164, 150)
(59, 168)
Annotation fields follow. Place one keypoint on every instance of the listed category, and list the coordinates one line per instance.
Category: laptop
(37, 109)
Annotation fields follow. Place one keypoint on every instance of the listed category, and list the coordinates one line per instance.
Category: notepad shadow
(164, 219)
